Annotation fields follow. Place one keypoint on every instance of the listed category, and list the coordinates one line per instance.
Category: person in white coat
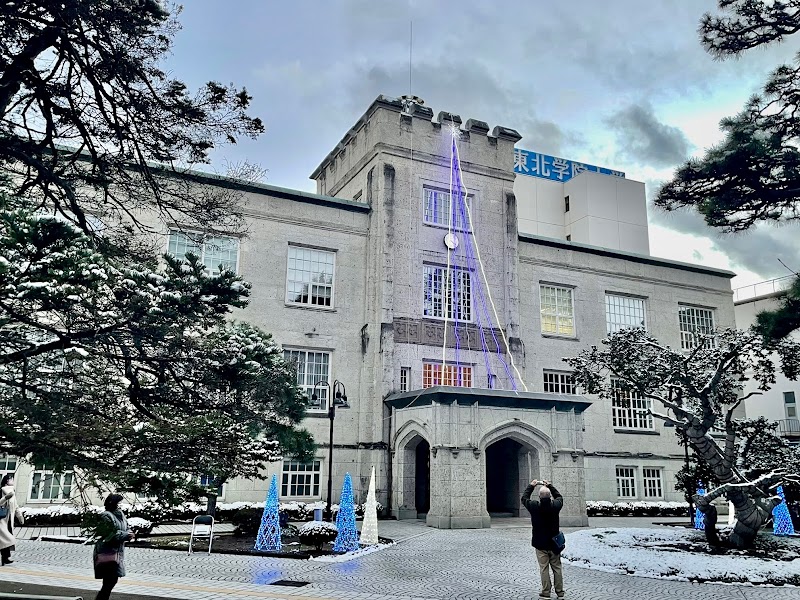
(10, 510)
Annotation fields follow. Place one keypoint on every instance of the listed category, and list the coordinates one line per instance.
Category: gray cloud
(644, 140)
(757, 250)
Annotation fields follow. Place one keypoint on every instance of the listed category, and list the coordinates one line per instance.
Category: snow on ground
(683, 554)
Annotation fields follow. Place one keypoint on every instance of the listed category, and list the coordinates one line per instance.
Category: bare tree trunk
(211, 504)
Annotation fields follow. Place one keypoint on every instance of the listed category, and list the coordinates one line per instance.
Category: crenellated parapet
(402, 126)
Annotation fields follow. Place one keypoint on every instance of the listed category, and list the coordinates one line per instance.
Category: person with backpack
(546, 537)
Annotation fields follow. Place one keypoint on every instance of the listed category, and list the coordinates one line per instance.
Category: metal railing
(762, 288)
(789, 427)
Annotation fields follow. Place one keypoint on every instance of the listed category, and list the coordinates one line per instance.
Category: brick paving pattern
(491, 564)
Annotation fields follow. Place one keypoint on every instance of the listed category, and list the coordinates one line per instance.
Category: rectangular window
(693, 321)
(447, 296)
(566, 203)
(791, 405)
(309, 277)
(312, 368)
(436, 210)
(629, 410)
(624, 311)
(569, 238)
(558, 382)
(47, 485)
(557, 310)
(454, 375)
(651, 480)
(626, 482)
(405, 379)
(8, 464)
(300, 480)
(207, 481)
(214, 251)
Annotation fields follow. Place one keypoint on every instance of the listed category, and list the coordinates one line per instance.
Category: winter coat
(113, 530)
(544, 517)
(7, 523)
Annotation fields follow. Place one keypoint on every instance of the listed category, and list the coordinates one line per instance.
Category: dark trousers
(109, 581)
(6, 554)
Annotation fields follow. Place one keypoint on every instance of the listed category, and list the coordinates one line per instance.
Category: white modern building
(446, 316)
(780, 403)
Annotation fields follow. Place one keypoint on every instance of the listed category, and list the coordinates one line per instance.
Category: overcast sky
(623, 84)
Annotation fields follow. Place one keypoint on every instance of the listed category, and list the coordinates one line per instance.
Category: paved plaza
(496, 564)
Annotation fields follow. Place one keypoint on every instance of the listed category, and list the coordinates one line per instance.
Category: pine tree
(369, 528)
(269, 533)
(347, 539)
(754, 174)
(781, 520)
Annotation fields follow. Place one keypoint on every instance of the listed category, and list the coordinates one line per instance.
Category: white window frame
(557, 314)
(426, 218)
(49, 474)
(623, 303)
(308, 386)
(691, 316)
(5, 461)
(405, 379)
(321, 253)
(220, 490)
(634, 416)
(437, 273)
(314, 474)
(201, 244)
(653, 481)
(561, 382)
(626, 479)
(451, 374)
(790, 405)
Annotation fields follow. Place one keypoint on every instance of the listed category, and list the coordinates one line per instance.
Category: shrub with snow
(317, 533)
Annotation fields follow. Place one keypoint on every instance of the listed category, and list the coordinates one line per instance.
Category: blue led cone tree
(781, 519)
(699, 522)
(347, 539)
(269, 534)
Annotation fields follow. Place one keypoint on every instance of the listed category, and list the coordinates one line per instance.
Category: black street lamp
(339, 399)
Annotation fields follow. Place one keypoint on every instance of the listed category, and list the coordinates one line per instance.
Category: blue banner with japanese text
(554, 168)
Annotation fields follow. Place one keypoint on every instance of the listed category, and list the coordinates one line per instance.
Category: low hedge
(602, 508)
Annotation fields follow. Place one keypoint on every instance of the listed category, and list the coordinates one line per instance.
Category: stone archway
(507, 469)
(514, 453)
(412, 473)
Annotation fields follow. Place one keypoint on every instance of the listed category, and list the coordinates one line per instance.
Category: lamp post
(338, 398)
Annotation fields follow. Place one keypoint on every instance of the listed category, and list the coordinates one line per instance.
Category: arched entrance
(502, 477)
(422, 478)
(413, 476)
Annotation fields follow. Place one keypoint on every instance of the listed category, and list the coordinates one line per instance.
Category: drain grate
(290, 583)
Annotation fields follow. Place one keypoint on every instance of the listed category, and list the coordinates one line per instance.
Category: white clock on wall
(451, 241)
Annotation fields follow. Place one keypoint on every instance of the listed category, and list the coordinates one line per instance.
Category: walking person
(109, 551)
(9, 511)
(547, 538)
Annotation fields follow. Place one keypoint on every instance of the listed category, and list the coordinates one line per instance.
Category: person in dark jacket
(109, 551)
(544, 509)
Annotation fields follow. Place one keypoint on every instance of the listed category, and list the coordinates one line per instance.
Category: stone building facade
(338, 279)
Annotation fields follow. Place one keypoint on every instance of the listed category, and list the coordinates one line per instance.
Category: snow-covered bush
(140, 527)
(603, 508)
(317, 533)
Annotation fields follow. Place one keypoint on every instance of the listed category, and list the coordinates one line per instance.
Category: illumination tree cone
(369, 528)
(347, 539)
(781, 519)
(269, 533)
